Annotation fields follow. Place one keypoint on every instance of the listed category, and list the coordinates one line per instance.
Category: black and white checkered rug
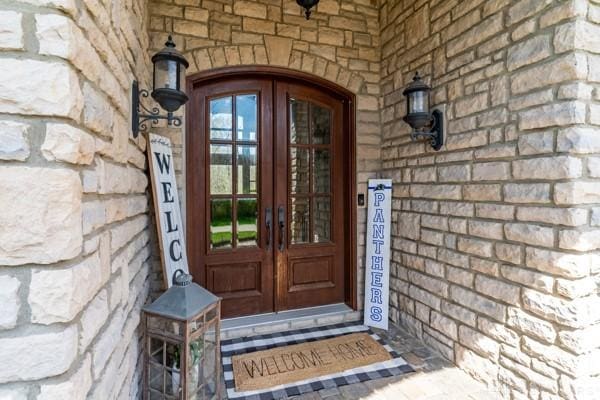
(396, 366)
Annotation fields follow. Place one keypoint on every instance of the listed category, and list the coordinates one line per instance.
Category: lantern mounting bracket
(307, 5)
(435, 134)
(141, 114)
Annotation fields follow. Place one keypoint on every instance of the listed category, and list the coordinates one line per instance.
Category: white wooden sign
(166, 207)
(377, 271)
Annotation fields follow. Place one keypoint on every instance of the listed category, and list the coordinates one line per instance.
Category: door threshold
(285, 320)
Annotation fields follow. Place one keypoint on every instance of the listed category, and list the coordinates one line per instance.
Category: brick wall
(495, 239)
(340, 43)
(74, 235)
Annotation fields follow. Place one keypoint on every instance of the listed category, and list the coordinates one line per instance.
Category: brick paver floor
(435, 378)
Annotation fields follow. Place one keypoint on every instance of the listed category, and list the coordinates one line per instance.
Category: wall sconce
(169, 69)
(424, 123)
(307, 5)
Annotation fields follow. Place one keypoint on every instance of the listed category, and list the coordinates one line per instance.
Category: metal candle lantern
(182, 355)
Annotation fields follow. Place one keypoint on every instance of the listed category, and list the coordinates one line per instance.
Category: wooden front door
(266, 186)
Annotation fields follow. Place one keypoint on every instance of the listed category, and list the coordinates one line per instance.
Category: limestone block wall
(340, 43)
(74, 235)
(496, 238)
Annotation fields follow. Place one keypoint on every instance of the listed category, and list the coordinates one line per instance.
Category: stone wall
(74, 228)
(495, 257)
(340, 43)
(495, 244)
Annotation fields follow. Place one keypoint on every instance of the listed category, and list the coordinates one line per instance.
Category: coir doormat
(292, 363)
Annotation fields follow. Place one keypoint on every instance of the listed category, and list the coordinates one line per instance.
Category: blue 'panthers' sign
(377, 271)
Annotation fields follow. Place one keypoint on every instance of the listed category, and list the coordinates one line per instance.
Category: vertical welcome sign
(377, 270)
(166, 205)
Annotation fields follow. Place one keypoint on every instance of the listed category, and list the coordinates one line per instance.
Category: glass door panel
(221, 174)
(321, 170)
(247, 222)
(220, 118)
(246, 107)
(321, 220)
(299, 133)
(320, 124)
(299, 170)
(234, 172)
(221, 227)
(309, 172)
(300, 221)
(247, 171)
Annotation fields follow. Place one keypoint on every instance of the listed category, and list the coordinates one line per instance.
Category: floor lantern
(182, 355)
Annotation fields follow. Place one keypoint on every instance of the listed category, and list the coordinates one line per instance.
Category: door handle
(268, 222)
(281, 215)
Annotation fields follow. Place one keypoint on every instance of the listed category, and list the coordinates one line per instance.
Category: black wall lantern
(424, 123)
(169, 70)
(307, 5)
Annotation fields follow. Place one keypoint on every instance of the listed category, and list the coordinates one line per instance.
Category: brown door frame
(349, 121)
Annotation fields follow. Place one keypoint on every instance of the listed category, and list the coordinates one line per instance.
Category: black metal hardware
(361, 199)
(436, 132)
(180, 278)
(281, 217)
(268, 221)
(138, 119)
(307, 5)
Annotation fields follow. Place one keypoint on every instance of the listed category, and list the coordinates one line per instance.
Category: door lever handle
(281, 217)
(268, 222)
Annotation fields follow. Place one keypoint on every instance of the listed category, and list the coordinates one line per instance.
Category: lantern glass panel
(157, 353)
(211, 314)
(210, 366)
(165, 326)
(196, 325)
(156, 377)
(166, 74)
(196, 354)
(418, 102)
(173, 370)
(156, 396)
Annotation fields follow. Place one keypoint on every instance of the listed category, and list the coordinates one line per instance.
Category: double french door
(266, 188)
